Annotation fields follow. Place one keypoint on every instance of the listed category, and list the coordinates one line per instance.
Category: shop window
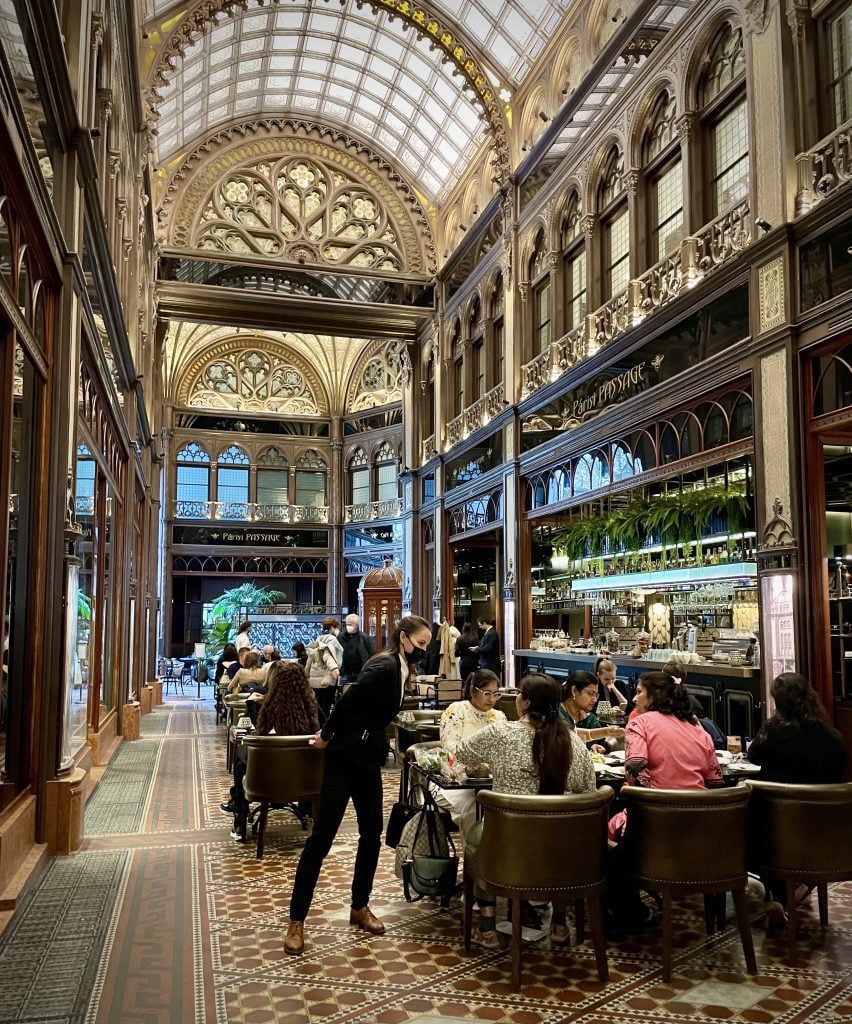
(232, 478)
(622, 464)
(193, 474)
(612, 206)
(24, 285)
(725, 115)
(840, 65)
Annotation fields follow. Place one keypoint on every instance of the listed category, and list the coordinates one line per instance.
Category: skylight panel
(335, 109)
(250, 67)
(366, 124)
(419, 68)
(389, 140)
(376, 88)
(325, 23)
(309, 102)
(255, 23)
(289, 20)
(358, 31)
(223, 31)
(220, 56)
(368, 106)
(281, 62)
(347, 74)
(253, 45)
(351, 54)
(340, 92)
(278, 81)
(314, 66)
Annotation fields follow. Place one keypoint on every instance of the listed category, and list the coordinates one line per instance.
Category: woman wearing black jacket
(467, 650)
(354, 734)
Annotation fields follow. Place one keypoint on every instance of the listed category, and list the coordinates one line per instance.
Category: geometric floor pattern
(51, 952)
(198, 924)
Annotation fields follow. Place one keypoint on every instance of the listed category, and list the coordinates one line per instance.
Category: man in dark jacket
(357, 650)
(489, 647)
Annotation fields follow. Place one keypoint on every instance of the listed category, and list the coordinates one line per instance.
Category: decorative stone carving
(778, 532)
(757, 15)
(381, 378)
(771, 291)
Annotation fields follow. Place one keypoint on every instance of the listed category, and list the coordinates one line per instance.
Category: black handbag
(432, 873)
(401, 813)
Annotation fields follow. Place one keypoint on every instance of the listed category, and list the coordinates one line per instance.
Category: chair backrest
(680, 836)
(551, 844)
(507, 703)
(282, 769)
(802, 829)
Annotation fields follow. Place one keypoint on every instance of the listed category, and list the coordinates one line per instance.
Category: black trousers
(325, 701)
(343, 779)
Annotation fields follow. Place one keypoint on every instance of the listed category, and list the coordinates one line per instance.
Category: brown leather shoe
(366, 919)
(294, 941)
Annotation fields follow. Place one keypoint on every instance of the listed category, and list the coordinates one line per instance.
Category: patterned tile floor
(197, 923)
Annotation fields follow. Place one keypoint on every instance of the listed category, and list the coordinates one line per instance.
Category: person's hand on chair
(317, 741)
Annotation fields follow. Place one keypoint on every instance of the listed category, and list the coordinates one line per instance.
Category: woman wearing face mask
(355, 737)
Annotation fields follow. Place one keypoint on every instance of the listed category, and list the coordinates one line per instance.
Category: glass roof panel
(331, 61)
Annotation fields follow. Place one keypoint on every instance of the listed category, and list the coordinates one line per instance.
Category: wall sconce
(525, 145)
(543, 116)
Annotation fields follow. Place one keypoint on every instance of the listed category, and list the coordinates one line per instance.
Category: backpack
(426, 858)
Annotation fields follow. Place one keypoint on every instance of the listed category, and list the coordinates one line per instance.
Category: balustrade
(477, 415)
(242, 511)
(428, 448)
(824, 168)
(389, 508)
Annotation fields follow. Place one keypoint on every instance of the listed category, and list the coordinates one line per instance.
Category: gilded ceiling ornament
(301, 210)
(380, 379)
(200, 178)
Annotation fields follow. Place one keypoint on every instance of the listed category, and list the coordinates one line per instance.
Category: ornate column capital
(685, 126)
(798, 12)
(523, 290)
(588, 224)
(631, 181)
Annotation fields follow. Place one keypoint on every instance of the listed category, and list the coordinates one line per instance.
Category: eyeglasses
(493, 694)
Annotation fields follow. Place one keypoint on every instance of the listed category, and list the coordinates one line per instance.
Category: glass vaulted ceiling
(340, 66)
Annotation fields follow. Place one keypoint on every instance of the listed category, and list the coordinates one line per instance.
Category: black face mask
(416, 656)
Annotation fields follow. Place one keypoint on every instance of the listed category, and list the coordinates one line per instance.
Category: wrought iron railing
(365, 511)
(251, 512)
(697, 256)
(823, 169)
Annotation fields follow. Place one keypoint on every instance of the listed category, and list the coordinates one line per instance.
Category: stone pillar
(157, 686)
(146, 700)
(130, 720)
(64, 811)
(335, 517)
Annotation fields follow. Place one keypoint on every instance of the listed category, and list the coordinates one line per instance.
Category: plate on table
(724, 756)
(617, 757)
(609, 769)
(742, 766)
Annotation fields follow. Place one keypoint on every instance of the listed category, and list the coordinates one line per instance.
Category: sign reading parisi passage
(605, 391)
(249, 537)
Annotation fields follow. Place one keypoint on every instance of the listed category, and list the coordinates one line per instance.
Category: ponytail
(551, 750)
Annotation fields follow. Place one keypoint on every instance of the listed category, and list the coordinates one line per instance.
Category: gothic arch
(378, 377)
(643, 111)
(596, 169)
(202, 175)
(699, 56)
(281, 381)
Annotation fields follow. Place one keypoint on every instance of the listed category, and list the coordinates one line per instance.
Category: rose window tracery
(380, 381)
(303, 210)
(253, 380)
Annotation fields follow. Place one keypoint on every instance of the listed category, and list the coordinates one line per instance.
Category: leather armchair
(801, 834)
(281, 770)
(542, 848)
(681, 841)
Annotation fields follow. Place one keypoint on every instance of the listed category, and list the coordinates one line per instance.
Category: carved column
(635, 212)
(334, 592)
(691, 171)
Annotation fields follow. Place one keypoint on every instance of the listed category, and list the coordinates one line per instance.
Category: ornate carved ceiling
(277, 372)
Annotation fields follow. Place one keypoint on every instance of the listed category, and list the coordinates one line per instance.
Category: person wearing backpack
(357, 650)
(354, 734)
(323, 665)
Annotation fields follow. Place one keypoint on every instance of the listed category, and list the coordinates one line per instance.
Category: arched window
(310, 480)
(232, 479)
(193, 473)
(359, 478)
(5, 241)
(615, 225)
(663, 179)
(838, 72)
(272, 478)
(539, 274)
(498, 329)
(387, 473)
(458, 369)
(85, 469)
(574, 261)
(724, 114)
(476, 333)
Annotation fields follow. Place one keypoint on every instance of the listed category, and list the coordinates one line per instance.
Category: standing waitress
(355, 736)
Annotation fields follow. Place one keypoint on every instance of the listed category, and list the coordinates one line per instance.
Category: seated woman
(665, 748)
(579, 696)
(249, 675)
(461, 720)
(536, 754)
(288, 709)
(227, 658)
(608, 692)
(795, 745)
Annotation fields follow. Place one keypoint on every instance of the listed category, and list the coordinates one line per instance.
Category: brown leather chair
(541, 848)
(280, 770)
(507, 704)
(801, 834)
(681, 841)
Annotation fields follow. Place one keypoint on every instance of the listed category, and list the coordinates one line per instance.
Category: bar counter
(731, 695)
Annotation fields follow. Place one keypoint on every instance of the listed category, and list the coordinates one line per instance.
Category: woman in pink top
(665, 746)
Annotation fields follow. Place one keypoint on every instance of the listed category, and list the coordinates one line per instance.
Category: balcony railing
(428, 448)
(477, 415)
(249, 512)
(823, 169)
(366, 511)
(698, 255)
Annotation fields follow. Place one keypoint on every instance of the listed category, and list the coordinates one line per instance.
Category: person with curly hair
(288, 709)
